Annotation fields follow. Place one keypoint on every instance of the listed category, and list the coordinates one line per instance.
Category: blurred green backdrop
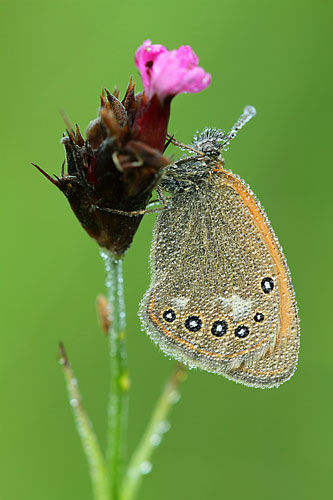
(226, 441)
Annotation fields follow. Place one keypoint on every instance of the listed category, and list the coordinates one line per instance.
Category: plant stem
(88, 438)
(158, 425)
(119, 379)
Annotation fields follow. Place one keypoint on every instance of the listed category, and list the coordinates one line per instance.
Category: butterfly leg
(182, 146)
(143, 211)
(162, 198)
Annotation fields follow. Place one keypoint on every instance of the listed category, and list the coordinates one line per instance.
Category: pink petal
(186, 55)
(168, 73)
(145, 57)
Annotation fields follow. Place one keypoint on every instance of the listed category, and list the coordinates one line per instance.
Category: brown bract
(112, 169)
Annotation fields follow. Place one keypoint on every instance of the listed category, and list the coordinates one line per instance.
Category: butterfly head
(209, 142)
(212, 141)
(189, 171)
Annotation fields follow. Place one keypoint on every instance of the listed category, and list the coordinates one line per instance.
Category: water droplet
(155, 439)
(163, 427)
(174, 397)
(145, 467)
(74, 402)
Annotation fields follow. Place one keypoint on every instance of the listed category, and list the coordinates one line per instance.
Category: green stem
(119, 380)
(88, 438)
(158, 425)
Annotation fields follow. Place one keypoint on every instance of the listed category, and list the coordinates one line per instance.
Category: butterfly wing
(221, 296)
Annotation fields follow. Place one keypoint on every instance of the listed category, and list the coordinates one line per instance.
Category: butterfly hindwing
(219, 281)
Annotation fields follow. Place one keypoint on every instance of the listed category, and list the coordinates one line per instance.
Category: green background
(226, 440)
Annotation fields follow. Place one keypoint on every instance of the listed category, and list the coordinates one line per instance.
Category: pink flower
(168, 73)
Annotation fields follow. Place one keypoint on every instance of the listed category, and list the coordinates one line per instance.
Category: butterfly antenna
(248, 113)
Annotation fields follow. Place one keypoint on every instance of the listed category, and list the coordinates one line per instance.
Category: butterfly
(220, 296)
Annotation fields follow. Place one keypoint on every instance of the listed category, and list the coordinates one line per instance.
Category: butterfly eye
(169, 315)
(267, 285)
(259, 317)
(219, 328)
(193, 323)
(242, 331)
